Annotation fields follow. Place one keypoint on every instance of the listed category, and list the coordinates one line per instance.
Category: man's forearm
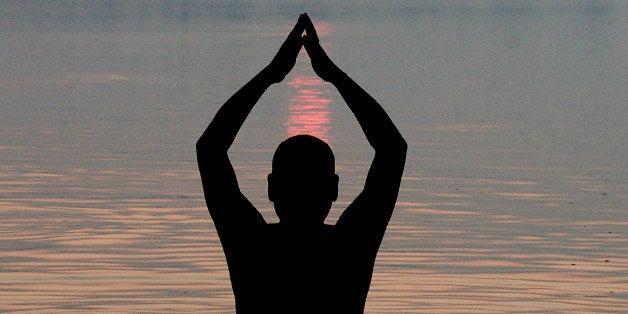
(379, 129)
(223, 129)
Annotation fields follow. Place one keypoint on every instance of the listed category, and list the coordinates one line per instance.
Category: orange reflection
(308, 109)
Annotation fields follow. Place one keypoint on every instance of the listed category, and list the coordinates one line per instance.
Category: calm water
(513, 198)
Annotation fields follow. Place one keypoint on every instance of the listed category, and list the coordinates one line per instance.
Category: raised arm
(372, 209)
(226, 203)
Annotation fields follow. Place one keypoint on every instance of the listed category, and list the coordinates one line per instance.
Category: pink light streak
(308, 110)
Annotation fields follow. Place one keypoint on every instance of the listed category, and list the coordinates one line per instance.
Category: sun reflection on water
(308, 109)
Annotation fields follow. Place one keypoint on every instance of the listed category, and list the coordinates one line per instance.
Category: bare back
(294, 266)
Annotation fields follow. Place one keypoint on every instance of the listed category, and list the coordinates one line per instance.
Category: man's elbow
(201, 146)
(210, 147)
(209, 141)
(206, 146)
(395, 148)
(403, 145)
(397, 145)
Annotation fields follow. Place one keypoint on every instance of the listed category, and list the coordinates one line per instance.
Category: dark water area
(513, 199)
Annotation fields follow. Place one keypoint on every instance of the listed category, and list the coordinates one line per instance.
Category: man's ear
(271, 187)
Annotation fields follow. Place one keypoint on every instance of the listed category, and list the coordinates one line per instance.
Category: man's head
(303, 183)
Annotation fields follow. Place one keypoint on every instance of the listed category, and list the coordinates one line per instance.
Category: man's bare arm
(373, 207)
(226, 203)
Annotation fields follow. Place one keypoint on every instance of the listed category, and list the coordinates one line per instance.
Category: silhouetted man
(301, 265)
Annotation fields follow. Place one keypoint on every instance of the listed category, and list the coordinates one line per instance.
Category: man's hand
(286, 57)
(322, 65)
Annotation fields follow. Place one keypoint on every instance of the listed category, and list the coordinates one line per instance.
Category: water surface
(513, 198)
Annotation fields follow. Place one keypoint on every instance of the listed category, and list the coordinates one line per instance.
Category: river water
(513, 198)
